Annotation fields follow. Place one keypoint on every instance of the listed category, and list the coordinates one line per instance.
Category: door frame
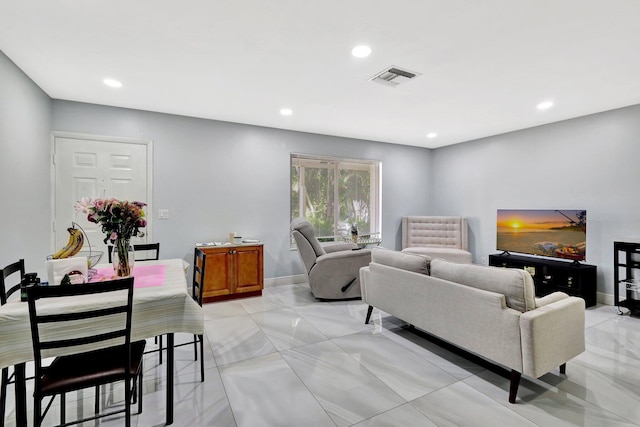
(102, 138)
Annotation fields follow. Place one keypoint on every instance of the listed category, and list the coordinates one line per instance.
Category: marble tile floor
(285, 359)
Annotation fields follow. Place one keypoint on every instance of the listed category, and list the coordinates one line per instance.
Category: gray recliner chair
(333, 270)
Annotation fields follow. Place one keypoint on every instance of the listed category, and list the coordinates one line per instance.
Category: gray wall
(215, 177)
(586, 163)
(25, 203)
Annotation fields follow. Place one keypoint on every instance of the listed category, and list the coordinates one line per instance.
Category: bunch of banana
(73, 246)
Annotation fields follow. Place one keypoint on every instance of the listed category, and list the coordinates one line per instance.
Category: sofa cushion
(404, 261)
(515, 284)
(450, 254)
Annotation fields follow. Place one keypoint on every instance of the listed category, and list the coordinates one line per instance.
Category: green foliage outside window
(335, 194)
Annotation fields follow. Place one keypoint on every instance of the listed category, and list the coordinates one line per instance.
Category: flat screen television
(550, 233)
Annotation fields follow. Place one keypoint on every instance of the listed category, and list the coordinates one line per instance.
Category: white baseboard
(285, 280)
(606, 299)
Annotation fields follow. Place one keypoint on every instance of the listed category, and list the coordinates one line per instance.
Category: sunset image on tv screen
(552, 233)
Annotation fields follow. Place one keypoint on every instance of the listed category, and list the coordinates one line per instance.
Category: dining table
(162, 305)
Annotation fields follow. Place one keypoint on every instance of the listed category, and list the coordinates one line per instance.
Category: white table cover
(157, 310)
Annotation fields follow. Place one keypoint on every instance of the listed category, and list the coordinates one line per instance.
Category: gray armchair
(443, 237)
(333, 270)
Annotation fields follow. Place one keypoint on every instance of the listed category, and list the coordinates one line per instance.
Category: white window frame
(336, 163)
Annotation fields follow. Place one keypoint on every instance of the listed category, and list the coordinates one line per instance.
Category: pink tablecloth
(145, 275)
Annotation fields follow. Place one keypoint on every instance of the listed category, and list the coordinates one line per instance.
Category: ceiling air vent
(393, 76)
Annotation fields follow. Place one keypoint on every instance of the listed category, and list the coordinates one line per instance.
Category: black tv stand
(549, 275)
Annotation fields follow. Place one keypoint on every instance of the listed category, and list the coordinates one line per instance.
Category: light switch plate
(163, 213)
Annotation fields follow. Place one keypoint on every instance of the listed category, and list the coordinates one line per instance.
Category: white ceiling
(485, 65)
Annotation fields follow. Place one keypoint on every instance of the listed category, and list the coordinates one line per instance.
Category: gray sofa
(488, 311)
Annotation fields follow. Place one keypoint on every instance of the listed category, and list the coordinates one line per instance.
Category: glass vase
(123, 258)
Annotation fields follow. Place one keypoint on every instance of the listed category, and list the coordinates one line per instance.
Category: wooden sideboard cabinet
(232, 271)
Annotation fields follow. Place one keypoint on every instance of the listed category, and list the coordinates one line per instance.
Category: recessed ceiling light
(432, 135)
(361, 51)
(286, 111)
(544, 105)
(112, 83)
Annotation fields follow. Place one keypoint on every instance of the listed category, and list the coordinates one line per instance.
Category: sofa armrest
(339, 247)
(551, 298)
(551, 335)
(401, 260)
(343, 256)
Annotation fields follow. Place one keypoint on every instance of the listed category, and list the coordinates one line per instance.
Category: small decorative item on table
(67, 265)
(58, 264)
(29, 279)
(354, 233)
(74, 277)
(120, 221)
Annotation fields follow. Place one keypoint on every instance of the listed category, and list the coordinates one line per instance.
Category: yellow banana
(73, 246)
(79, 241)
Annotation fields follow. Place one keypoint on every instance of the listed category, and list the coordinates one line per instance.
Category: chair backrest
(6, 288)
(54, 333)
(141, 248)
(308, 245)
(199, 263)
(435, 232)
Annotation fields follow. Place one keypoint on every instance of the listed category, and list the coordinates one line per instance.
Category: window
(334, 194)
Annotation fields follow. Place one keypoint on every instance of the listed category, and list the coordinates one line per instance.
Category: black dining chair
(199, 262)
(6, 288)
(9, 284)
(51, 332)
(141, 247)
(155, 249)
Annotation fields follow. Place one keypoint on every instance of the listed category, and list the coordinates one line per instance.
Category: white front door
(97, 167)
